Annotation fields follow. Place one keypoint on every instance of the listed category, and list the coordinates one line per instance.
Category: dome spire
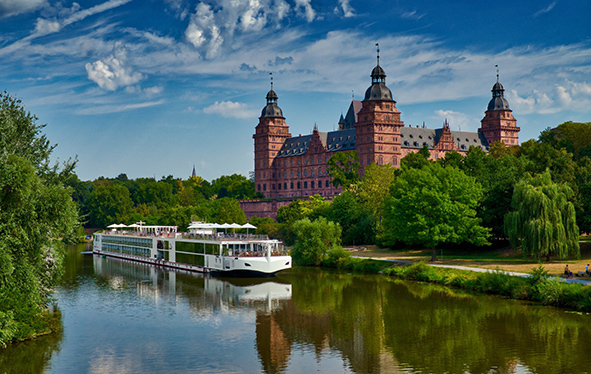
(271, 109)
(497, 66)
(378, 89)
(378, 46)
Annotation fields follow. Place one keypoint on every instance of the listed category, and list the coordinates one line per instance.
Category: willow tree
(543, 222)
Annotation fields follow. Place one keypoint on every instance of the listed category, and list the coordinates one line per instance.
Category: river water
(121, 317)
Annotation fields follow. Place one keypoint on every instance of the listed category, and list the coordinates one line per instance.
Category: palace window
(291, 185)
(312, 184)
(299, 185)
(285, 186)
(305, 184)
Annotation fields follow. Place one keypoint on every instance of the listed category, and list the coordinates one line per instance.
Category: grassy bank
(505, 259)
(540, 287)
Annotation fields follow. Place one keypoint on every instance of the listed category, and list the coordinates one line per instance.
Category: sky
(150, 88)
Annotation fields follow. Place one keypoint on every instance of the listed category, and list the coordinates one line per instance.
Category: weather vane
(497, 66)
(271, 75)
(378, 46)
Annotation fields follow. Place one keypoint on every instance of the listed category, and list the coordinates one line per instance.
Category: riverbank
(536, 285)
(503, 259)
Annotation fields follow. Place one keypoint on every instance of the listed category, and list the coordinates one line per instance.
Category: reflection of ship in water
(203, 293)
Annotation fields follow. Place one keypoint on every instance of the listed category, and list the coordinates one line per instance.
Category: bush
(335, 256)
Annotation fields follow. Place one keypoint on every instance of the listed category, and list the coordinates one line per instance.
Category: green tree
(227, 210)
(574, 137)
(109, 203)
(357, 221)
(497, 177)
(236, 186)
(431, 206)
(416, 160)
(315, 239)
(374, 186)
(543, 222)
(343, 168)
(36, 211)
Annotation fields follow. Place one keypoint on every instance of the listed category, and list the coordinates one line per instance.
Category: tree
(343, 168)
(497, 177)
(374, 186)
(357, 221)
(227, 210)
(543, 222)
(109, 203)
(36, 211)
(315, 239)
(416, 160)
(431, 206)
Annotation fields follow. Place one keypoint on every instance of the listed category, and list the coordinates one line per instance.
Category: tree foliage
(343, 168)
(431, 206)
(315, 239)
(36, 212)
(543, 222)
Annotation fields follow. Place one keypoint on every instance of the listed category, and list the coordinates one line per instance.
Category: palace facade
(289, 166)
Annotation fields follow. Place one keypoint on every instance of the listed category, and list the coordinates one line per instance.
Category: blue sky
(151, 87)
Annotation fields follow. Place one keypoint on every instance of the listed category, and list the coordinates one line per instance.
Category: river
(121, 317)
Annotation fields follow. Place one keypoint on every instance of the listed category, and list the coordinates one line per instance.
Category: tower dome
(498, 101)
(378, 90)
(272, 109)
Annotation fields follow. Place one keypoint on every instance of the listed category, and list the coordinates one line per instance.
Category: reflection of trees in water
(31, 356)
(382, 325)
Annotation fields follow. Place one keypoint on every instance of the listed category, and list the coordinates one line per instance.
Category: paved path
(479, 270)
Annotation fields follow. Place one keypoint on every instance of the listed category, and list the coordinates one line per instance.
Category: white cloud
(456, 120)
(347, 9)
(219, 23)
(44, 26)
(13, 7)
(412, 15)
(309, 12)
(230, 109)
(104, 109)
(111, 73)
(546, 9)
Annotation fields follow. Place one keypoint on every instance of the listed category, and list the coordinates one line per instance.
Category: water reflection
(125, 317)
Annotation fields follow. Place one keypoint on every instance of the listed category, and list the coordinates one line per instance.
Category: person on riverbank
(587, 269)
(567, 272)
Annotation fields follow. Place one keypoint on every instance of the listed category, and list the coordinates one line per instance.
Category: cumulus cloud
(230, 109)
(111, 73)
(214, 24)
(308, 11)
(13, 7)
(44, 26)
(346, 8)
(568, 95)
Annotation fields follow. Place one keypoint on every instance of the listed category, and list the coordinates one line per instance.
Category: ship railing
(223, 236)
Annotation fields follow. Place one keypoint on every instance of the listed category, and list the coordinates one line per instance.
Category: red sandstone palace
(290, 167)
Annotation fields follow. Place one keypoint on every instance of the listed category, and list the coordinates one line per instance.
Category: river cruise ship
(202, 249)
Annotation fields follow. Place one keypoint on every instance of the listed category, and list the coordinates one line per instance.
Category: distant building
(289, 167)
